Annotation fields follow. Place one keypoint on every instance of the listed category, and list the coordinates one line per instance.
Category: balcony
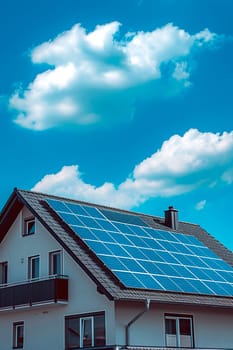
(50, 290)
(131, 347)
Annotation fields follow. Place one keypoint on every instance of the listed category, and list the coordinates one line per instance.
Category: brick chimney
(171, 218)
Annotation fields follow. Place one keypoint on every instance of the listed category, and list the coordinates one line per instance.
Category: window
(85, 331)
(33, 267)
(29, 227)
(18, 335)
(179, 331)
(3, 272)
(55, 263)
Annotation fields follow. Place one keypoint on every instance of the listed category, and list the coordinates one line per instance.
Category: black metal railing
(50, 289)
(142, 347)
(131, 347)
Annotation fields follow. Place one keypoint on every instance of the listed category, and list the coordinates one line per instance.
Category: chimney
(171, 218)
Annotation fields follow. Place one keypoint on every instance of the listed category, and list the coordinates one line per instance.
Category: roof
(106, 281)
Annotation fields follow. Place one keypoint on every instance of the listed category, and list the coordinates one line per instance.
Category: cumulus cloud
(95, 77)
(182, 164)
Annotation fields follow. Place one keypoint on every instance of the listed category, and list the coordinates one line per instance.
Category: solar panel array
(145, 258)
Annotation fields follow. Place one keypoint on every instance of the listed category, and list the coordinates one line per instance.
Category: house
(77, 275)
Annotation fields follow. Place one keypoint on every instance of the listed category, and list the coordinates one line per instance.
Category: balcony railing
(52, 289)
(170, 348)
(141, 347)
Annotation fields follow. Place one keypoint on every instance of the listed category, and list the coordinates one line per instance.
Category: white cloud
(200, 205)
(228, 176)
(181, 73)
(86, 69)
(205, 36)
(183, 164)
(189, 153)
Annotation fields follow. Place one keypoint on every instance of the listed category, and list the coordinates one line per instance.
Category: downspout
(147, 307)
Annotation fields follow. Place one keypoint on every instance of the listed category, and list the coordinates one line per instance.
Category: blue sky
(126, 103)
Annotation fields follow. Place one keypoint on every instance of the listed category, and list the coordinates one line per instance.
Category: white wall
(212, 328)
(44, 326)
(216, 328)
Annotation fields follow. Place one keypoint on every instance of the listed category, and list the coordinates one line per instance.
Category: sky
(124, 103)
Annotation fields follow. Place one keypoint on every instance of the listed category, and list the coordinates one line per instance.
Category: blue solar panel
(76, 209)
(106, 225)
(136, 253)
(89, 222)
(196, 261)
(58, 205)
(167, 269)
(103, 236)
(185, 284)
(229, 288)
(122, 217)
(84, 232)
(168, 283)
(123, 228)
(201, 287)
(228, 276)
(117, 250)
(168, 257)
(220, 264)
(201, 251)
(121, 239)
(137, 241)
(129, 279)
(142, 257)
(200, 273)
(152, 255)
(219, 288)
(93, 212)
(98, 247)
(182, 271)
(113, 263)
(151, 267)
(132, 265)
(148, 281)
(140, 231)
(71, 219)
(154, 244)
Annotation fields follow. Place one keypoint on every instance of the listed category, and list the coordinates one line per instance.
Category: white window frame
(82, 329)
(178, 336)
(18, 327)
(27, 226)
(51, 262)
(31, 259)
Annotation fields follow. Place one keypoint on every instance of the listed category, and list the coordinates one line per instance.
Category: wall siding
(212, 327)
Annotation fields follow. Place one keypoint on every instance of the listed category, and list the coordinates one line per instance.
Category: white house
(77, 275)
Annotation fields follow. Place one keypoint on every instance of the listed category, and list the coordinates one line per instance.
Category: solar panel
(122, 217)
(142, 257)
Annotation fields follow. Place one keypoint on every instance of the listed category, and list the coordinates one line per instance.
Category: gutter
(147, 307)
